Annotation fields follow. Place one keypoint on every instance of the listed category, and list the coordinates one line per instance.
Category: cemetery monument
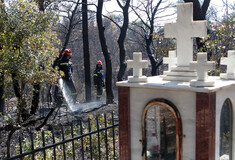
(180, 115)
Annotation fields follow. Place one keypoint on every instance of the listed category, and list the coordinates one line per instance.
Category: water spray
(75, 107)
(66, 95)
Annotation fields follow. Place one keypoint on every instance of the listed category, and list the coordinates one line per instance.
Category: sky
(218, 4)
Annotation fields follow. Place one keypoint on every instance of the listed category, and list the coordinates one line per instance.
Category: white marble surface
(178, 73)
(229, 61)
(171, 60)
(158, 83)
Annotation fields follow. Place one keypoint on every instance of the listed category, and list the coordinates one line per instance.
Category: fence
(96, 138)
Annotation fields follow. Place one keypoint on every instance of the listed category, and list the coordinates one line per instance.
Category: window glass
(160, 132)
(226, 123)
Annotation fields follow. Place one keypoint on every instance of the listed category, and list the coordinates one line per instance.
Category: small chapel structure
(183, 114)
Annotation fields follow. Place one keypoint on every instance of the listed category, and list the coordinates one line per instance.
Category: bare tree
(108, 77)
(71, 12)
(147, 12)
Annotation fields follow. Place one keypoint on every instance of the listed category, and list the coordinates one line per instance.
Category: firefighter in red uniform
(98, 79)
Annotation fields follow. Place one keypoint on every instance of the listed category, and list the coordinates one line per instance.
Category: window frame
(172, 108)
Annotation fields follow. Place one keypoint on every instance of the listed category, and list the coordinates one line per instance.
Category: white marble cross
(230, 62)
(137, 64)
(171, 60)
(183, 30)
(202, 66)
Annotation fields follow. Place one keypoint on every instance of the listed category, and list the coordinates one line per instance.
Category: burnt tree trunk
(151, 56)
(41, 5)
(108, 77)
(199, 12)
(86, 51)
(2, 99)
(36, 97)
(121, 40)
(21, 112)
(16, 86)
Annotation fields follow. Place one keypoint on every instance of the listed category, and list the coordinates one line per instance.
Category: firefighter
(98, 79)
(65, 65)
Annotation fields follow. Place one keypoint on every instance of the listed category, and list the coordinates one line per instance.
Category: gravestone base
(227, 76)
(133, 79)
(183, 74)
(196, 83)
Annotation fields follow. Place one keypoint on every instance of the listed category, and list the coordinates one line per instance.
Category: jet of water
(75, 107)
(67, 95)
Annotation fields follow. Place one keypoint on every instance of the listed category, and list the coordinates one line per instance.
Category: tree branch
(140, 18)
(112, 21)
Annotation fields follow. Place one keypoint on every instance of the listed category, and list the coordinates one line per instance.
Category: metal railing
(95, 138)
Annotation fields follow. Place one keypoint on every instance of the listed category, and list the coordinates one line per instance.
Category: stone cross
(202, 66)
(183, 30)
(137, 64)
(171, 60)
(229, 61)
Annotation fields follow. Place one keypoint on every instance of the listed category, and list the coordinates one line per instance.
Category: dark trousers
(99, 92)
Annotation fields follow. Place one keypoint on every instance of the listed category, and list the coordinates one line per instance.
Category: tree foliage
(27, 48)
(221, 38)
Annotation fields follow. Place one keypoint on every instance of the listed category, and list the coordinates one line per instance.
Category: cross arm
(199, 28)
(169, 30)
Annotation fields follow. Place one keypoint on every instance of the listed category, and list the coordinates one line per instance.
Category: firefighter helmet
(67, 52)
(99, 62)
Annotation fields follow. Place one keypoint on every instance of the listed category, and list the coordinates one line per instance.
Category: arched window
(161, 130)
(226, 123)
